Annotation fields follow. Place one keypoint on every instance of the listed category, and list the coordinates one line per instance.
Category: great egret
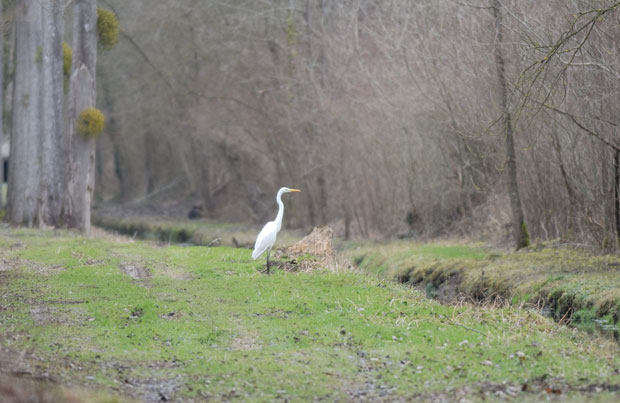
(267, 236)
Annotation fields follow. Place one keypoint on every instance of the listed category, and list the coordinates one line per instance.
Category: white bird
(267, 236)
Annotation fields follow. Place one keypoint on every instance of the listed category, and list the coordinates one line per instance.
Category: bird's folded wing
(265, 240)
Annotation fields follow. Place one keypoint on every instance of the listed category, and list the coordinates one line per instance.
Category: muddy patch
(370, 389)
(136, 271)
(8, 264)
(14, 363)
(43, 269)
(373, 392)
(174, 272)
(85, 260)
(46, 315)
(244, 342)
(43, 315)
(15, 389)
(26, 371)
(153, 390)
(143, 270)
(538, 389)
(172, 315)
(25, 377)
(13, 263)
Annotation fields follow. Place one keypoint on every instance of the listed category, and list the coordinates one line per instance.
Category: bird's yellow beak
(294, 190)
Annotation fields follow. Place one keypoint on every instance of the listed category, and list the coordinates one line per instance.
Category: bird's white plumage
(267, 236)
(265, 240)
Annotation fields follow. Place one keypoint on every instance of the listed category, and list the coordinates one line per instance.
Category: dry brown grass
(315, 251)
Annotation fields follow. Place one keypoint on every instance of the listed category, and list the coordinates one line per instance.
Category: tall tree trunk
(572, 198)
(2, 29)
(49, 205)
(617, 193)
(519, 225)
(24, 164)
(80, 180)
(112, 130)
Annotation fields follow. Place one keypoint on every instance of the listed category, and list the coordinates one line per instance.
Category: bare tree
(379, 110)
(52, 173)
(80, 173)
(2, 34)
(570, 72)
(520, 231)
(24, 166)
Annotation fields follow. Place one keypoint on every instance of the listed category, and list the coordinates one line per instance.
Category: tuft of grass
(203, 323)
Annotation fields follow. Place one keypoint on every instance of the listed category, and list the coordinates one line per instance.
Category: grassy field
(575, 286)
(129, 318)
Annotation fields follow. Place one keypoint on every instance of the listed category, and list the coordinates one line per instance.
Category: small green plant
(107, 28)
(91, 122)
(291, 32)
(67, 59)
(584, 316)
(291, 41)
(38, 55)
(525, 234)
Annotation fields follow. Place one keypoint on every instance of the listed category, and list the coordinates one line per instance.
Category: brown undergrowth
(315, 251)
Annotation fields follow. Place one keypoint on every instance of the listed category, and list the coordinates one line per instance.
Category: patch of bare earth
(245, 342)
(142, 270)
(100, 233)
(136, 270)
(539, 389)
(174, 272)
(9, 263)
(315, 251)
(371, 389)
(153, 390)
(24, 390)
(66, 315)
(21, 364)
(26, 378)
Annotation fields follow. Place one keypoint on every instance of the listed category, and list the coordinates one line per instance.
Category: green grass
(566, 279)
(204, 321)
(197, 232)
(394, 258)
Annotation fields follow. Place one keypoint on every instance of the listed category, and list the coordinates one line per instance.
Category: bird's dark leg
(268, 261)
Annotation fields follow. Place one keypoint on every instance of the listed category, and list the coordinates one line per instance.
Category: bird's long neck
(280, 212)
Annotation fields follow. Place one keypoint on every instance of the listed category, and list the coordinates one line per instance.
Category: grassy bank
(574, 285)
(151, 321)
(197, 232)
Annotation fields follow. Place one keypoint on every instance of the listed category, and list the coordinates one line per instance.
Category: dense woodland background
(393, 117)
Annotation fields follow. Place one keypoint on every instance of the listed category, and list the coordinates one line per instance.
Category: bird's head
(286, 190)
